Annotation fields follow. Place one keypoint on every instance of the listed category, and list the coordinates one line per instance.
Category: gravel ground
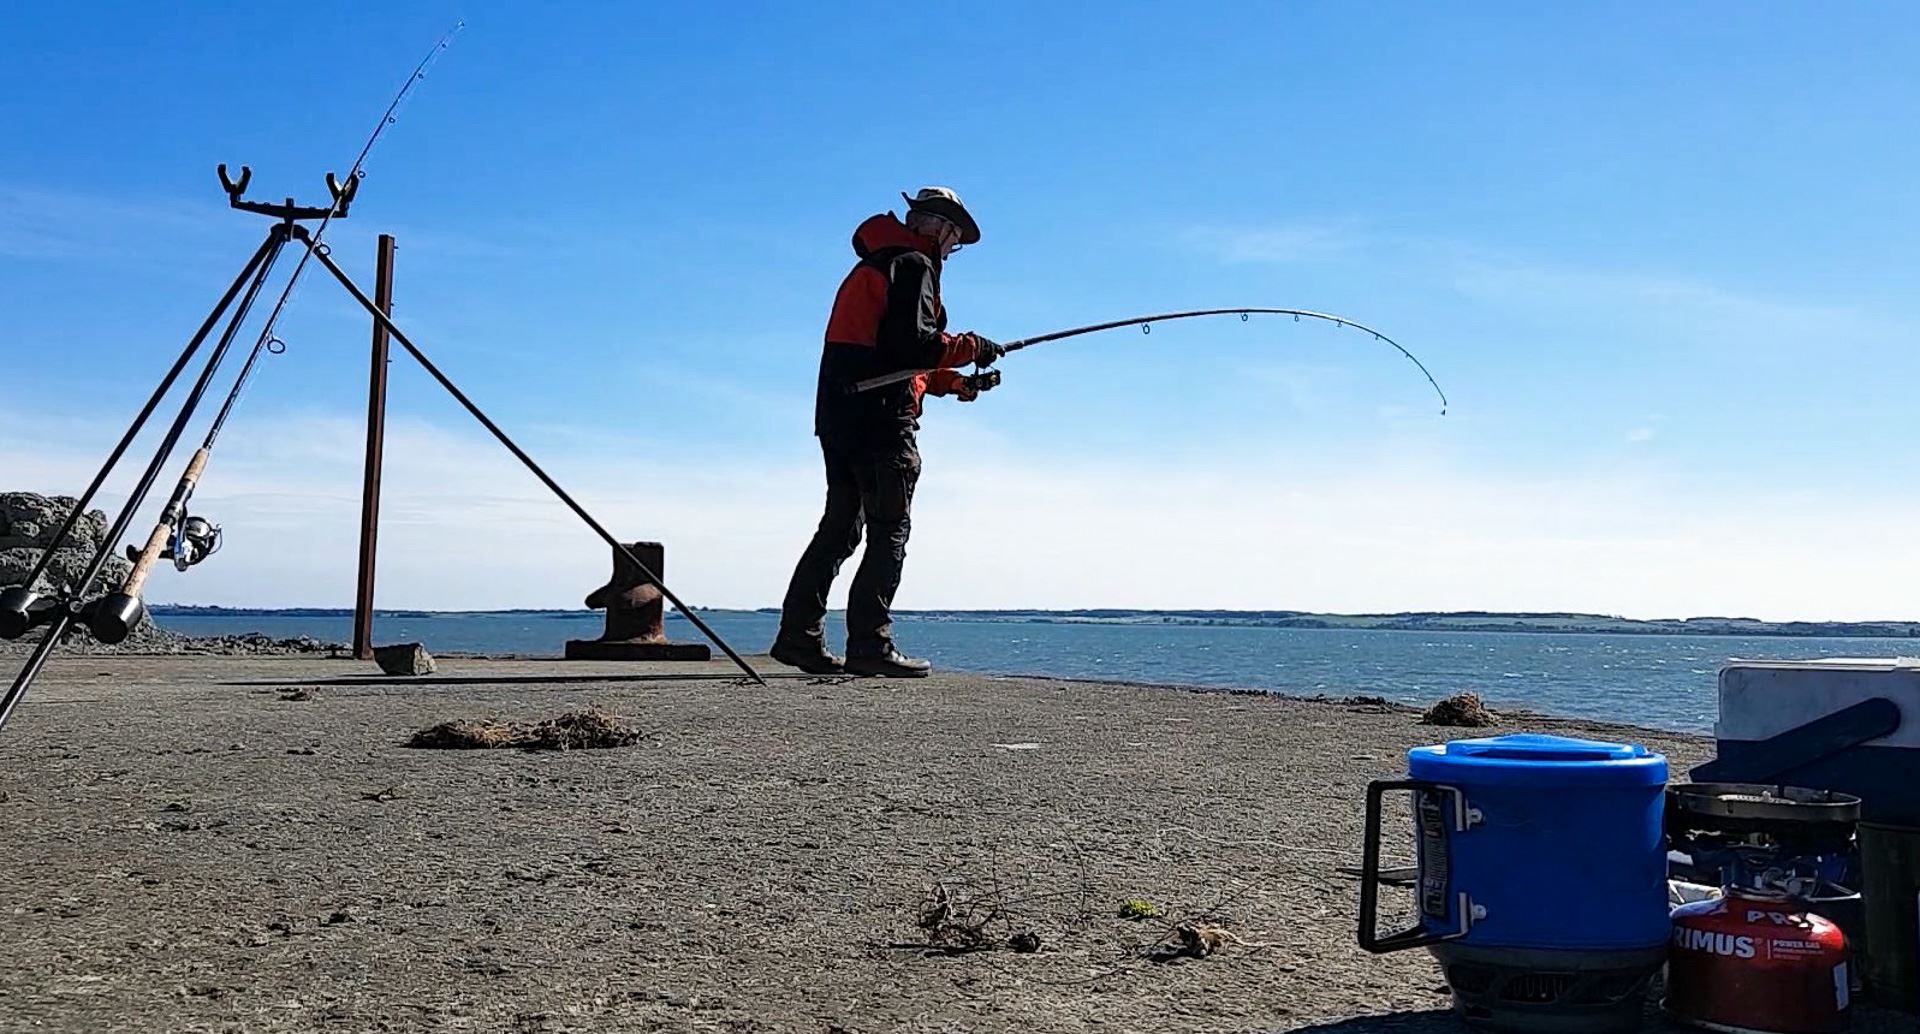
(247, 844)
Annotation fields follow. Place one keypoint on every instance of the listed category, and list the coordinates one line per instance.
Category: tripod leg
(133, 431)
(393, 330)
(34, 664)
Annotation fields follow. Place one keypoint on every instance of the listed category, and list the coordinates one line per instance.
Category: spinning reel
(985, 380)
(192, 541)
(195, 540)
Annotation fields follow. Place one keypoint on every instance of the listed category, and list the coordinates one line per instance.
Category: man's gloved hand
(985, 351)
(972, 385)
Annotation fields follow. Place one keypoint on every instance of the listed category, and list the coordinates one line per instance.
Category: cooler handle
(1417, 936)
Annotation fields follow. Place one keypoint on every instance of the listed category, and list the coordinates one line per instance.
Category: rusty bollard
(636, 615)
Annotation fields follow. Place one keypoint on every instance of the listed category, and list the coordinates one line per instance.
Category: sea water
(1658, 680)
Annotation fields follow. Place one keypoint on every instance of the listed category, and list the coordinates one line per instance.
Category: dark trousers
(870, 487)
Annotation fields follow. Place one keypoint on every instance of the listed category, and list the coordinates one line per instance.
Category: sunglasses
(950, 233)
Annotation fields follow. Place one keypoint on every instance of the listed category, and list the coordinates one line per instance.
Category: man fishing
(887, 318)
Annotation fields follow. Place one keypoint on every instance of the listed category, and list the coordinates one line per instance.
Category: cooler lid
(1529, 746)
(1522, 757)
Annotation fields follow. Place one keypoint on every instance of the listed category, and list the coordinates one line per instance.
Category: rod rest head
(114, 617)
(16, 611)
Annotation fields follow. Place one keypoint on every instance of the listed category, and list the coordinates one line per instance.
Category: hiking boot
(890, 664)
(809, 655)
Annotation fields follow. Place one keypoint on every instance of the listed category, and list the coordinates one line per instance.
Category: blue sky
(1659, 256)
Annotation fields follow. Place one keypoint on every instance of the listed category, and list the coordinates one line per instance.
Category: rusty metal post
(636, 612)
(376, 444)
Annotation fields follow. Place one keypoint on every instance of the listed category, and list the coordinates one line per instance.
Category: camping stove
(1774, 839)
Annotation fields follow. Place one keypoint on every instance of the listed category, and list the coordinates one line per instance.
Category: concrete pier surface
(251, 844)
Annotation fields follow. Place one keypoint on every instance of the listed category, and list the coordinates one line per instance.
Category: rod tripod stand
(112, 617)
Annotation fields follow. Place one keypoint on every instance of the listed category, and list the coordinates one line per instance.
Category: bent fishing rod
(1145, 323)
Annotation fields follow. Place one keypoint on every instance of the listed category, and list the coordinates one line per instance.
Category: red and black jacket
(886, 317)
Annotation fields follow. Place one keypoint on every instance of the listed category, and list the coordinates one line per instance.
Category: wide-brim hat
(946, 204)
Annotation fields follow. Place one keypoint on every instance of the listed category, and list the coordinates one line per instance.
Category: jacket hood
(885, 230)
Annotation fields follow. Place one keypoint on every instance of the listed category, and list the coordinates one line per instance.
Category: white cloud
(1003, 525)
(1641, 435)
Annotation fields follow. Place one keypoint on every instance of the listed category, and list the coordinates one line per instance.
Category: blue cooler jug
(1541, 878)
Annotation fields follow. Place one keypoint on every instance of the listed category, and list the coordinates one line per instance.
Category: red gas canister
(1757, 963)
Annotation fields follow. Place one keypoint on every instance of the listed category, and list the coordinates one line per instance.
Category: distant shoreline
(1417, 621)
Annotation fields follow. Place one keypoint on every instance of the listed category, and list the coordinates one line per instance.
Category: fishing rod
(111, 618)
(188, 541)
(1145, 323)
(20, 607)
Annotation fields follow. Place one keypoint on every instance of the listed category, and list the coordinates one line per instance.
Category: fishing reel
(985, 380)
(192, 541)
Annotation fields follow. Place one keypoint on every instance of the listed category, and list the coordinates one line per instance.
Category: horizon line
(1223, 611)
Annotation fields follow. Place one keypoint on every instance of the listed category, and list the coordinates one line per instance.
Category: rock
(28, 523)
(28, 519)
(64, 569)
(257, 644)
(404, 659)
(151, 640)
(15, 562)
